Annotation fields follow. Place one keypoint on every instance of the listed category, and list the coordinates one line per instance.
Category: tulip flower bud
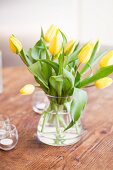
(69, 47)
(15, 44)
(107, 60)
(55, 46)
(27, 89)
(103, 83)
(50, 33)
(85, 53)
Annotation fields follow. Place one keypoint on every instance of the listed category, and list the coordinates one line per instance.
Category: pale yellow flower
(15, 44)
(50, 33)
(69, 47)
(103, 83)
(55, 46)
(85, 53)
(27, 89)
(107, 60)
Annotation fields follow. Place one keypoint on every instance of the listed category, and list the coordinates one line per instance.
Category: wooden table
(93, 152)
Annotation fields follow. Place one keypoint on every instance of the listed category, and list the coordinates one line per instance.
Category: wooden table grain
(93, 152)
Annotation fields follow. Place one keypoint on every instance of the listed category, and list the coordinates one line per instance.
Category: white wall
(96, 20)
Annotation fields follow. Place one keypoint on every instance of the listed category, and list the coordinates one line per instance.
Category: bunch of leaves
(61, 77)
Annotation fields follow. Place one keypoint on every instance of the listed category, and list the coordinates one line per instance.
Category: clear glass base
(51, 139)
(58, 137)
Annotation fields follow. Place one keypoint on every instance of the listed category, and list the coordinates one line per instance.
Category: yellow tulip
(50, 33)
(55, 46)
(103, 83)
(15, 44)
(27, 89)
(85, 53)
(69, 47)
(107, 60)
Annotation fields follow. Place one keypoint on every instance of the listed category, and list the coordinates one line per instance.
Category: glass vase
(52, 126)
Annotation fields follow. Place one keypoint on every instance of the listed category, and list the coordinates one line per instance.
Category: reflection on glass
(39, 101)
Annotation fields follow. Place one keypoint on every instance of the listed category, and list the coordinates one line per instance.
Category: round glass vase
(52, 125)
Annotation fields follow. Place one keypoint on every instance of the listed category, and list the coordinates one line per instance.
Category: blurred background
(80, 19)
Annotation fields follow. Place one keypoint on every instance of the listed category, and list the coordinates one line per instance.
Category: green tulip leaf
(41, 71)
(73, 56)
(29, 54)
(69, 76)
(52, 64)
(64, 38)
(56, 82)
(25, 58)
(71, 124)
(42, 33)
(67, 87)
(46, 49)
(76, 46)
(41, 45)
(77, 79)
(35, 53)
(101, 73)
(93, 55)
(61, 61)
(78, 104)
(42, 83)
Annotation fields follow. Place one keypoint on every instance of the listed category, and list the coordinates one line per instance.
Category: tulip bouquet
(62, 69)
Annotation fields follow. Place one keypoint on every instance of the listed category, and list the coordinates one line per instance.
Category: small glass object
(1, 80)
(40, 101)
(9, 138)
(4, 120)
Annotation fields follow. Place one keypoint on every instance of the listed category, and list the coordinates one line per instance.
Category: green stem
(77, 128)
(43, 124)
(62, 121)
(45, 118)
(78, 67)
(51, 119)
(56, 107)
(57, 125)
(90, 86)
